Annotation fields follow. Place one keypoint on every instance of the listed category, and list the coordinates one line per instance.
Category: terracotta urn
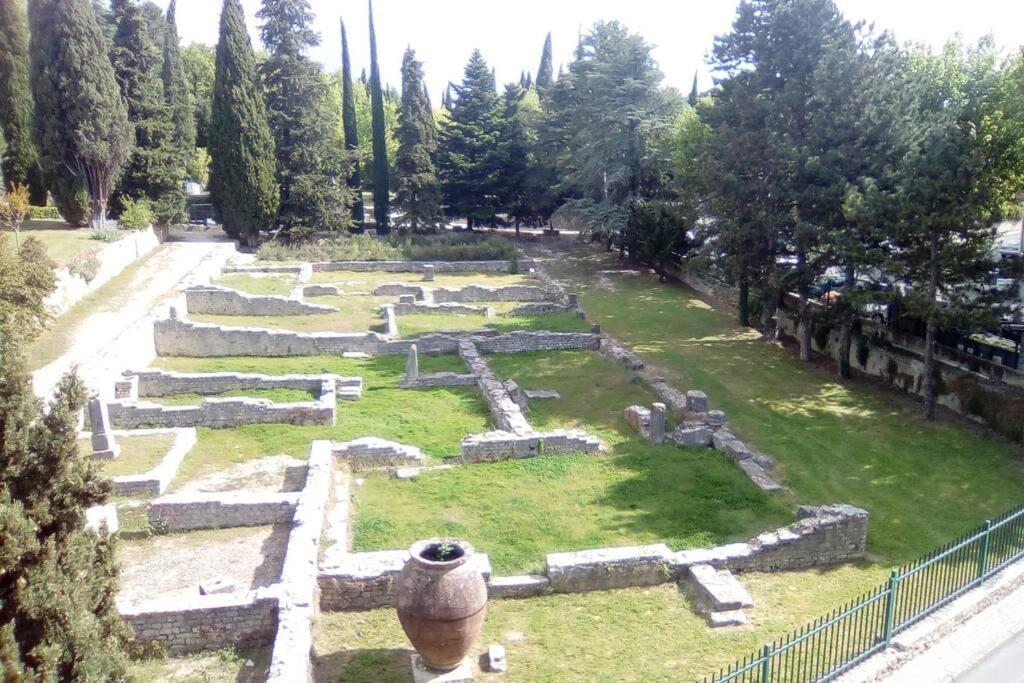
(441, 598)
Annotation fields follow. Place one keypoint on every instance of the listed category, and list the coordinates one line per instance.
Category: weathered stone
(736, 450)
(371, 452)
(223, 301)
(103, 444)
(217, 586)
(689, 437)
(721, 437)
(428, 272)
(696, 401)
(412, 365)
(605, 568)
(496, 658)
(595, 329)
(734, 617)
(410, 473)
(716, 590)
(640, 418)
(657, 434)
(320, 290)
(759, 476)
(715, 418)
(574, 300)
(463, 673)
(525, 586)
(541, 394)
(765, 462)
(99, 516)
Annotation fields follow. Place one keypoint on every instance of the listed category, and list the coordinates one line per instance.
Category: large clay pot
(441, 599)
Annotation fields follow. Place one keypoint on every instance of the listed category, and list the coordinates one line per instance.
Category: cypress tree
(472, 156)
(20, 163)
(546, 69)
(81, 122)
(58, 616)
(694, 93)
(176, 90)
(348, 106)
(418, 196)
(156, 169)
(242, 186)
(381, 179)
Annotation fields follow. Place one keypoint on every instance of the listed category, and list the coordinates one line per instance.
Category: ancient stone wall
(209, 622)
(506, 413)
(164, 383)
(190, 511)
(221, 413)
(417, 266)
(371, 452)
(481, 293)
(413, 307)
(223, 301)
(156, 481)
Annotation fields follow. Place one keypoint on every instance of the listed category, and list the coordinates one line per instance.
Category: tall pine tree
(348, 107)
(472, 157)
(546, 70)
(176, 90)
(156, 169)
(418, 195)
(242, 185)
(381, 175)
(19, 162)
(81, 122)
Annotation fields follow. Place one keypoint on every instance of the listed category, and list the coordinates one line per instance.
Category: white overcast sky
(511, 33)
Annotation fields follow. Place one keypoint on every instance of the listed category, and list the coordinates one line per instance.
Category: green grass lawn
(356, 313)
(62, 241)
(139, 454)
(352, 281)
(639, 634)
(271, 283)
(923, 483)
(434, 420)
(275, 395)
(517, 511)
(424, 323)
(219, 665)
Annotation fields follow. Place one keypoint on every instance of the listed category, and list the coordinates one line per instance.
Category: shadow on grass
(380, 665)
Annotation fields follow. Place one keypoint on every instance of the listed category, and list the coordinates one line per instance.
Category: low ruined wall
(479, 293)
(508, 416)
(439, 379)
(502, 445)
(190, 511)
(163, 383)
(222, 413)
(223, 301)
(175, 337)
(411, 308)
(210, 622)
(417, 266)
(156, 481)
(606, 568)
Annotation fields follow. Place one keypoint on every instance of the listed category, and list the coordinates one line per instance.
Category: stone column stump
(412, 364)
(658, 423)
(103, 444)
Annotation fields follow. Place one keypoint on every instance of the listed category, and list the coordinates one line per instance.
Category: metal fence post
(766, 666)
(890, 605)
(983, 553)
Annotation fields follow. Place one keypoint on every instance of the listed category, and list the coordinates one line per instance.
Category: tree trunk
(804, 314)
(846, 332)
(97, 213)
(744, 302)
(930, 328)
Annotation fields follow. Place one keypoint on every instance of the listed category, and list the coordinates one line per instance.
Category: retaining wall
(163, 383)
(223, 301)
(221, 413)
(190, 511)
(478, 293)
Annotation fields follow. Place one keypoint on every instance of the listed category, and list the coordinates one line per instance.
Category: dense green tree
(418, 195)
(81, 120)
(156, 168)
(694, 92)
(546, 70)
(177, 92)
(516, 151)
(354, 179)
(381, 174)
(200, 65)
(471, 156)
(58, 616)
(19, 163)
(242, 185)
(309, 164)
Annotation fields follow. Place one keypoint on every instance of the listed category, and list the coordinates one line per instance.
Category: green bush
(137, 214)
(38, 213)
(86, 267)
(458, 247)
(106, 235)
(346, 248)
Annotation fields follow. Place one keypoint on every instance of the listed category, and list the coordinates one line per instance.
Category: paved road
(1004, 665)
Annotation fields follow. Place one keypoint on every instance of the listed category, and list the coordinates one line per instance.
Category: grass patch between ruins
(517, 511)
(275, 395)
(139, 454)
(229, 664)
(637, 634)
(434, 420)
(353, 281)
(279, 284)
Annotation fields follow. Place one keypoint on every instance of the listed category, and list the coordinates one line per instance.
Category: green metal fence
(834, 643)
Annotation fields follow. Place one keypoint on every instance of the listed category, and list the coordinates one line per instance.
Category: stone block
(320, 290)
(765, 462)
(716, 590)
(606, 568)
(715, 418)
(689, 437)
(696, 401)
(657, 434)
(759, 476)
(104, 446)
(541, 394)
(735, 617)
(737, 451)
(412, 364)
(217, 586)
(496, 658)
(524, 586)
(463, 673)
(428, 272)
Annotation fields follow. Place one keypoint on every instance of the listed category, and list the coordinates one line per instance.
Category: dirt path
(118, 334)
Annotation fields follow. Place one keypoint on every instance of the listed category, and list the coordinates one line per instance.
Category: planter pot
(441, 599)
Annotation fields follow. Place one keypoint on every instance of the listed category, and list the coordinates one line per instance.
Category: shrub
(86, 267)
(588, 216)
(106, 235)
(460, 247)
(38, 213)
(137, 214)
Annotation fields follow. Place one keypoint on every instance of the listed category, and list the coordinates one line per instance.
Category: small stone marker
(406, 298)
(574, 300)
(103, 444)
(428, 272)
(463, 673)
(658, 422)
(218, 586)
(696, 401)
(496, 660)
(412, 364)
(596, 329)
(715, 418)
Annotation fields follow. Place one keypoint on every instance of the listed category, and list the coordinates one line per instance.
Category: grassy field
(923, 483)
(139, 454)
(220, 665)
(356, 313)
(62, 241)
(435, 420)
(517, 511)
(352, 281)
(642, 634)
(423, 323)
(279, 284)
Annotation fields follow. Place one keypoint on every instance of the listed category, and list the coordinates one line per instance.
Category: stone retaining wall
(164, 383)
(481, 293)
(190, 511)
(209, 622)
(506, 413)
(223, 301)
(371, 452)
(221, 413)
(417, 266)
(502, 445)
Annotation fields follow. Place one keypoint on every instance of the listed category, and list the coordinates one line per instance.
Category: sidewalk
(109, 342)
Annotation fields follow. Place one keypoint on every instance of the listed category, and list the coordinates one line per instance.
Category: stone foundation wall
(439, 379)
(606, 568)
(405, 308)
(156, 481)
(480, 293)
(174, 337)
(208, 623)
(221, 413)
(223, 301)
(190, 511)
(372, 453)
(502, 445)
(506, 413)
(163, 383)
(417, 266)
